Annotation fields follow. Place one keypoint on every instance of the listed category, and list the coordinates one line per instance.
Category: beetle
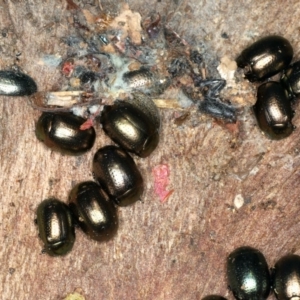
(286, 277)
(248, 274)
(273, 110)
(118, 175)
(291, 79)
(16, 83)
(93, 210)
(213, 297)
(61, 132)
(266, 57)
(56, 226)
(146, 81)
(130, 127)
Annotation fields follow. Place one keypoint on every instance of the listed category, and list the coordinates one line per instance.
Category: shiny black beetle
(265, 58)
(286, 278)
(16, 83)
(93, 210)
(130, 127)
(248, 274)
(61, 132)
(273, 110)
(56, 227)
(291, 79)
(118, 174)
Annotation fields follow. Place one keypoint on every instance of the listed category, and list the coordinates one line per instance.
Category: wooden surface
(175, 250)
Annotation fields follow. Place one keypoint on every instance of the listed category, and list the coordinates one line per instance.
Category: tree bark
(232, 186)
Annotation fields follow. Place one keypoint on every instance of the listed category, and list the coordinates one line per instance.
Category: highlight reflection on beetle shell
(248, 274)
(93, 210)
(286, 277)
(61, 132)
(266, 57)
(129, 127)
(117, 173)
(15, 83)
(273, 111)
(291, 79)
(56, 226)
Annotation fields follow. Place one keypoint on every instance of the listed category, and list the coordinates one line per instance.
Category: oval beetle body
(248, 274)
(286, 277)
(15, 83)
(273, 110)
(93, 210)
(61, 132)
(129, 127)
(145, 104)
(291, 79)
(118, 175)
(265, 58)
(146, 81)
(56, 227)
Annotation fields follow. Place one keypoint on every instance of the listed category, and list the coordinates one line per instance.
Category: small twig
(167, 103)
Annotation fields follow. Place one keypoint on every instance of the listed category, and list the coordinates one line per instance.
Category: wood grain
(175, 250)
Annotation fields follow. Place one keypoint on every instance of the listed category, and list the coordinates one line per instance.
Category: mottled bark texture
(232, 186)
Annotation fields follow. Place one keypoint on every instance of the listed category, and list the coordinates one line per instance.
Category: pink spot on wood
(87, 124)
(90, 121)
(161, 175)
(67, 68)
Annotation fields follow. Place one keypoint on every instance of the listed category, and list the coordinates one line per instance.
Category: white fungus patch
(238, 201)
(226, 69)
(78, 111)
(183, 100)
